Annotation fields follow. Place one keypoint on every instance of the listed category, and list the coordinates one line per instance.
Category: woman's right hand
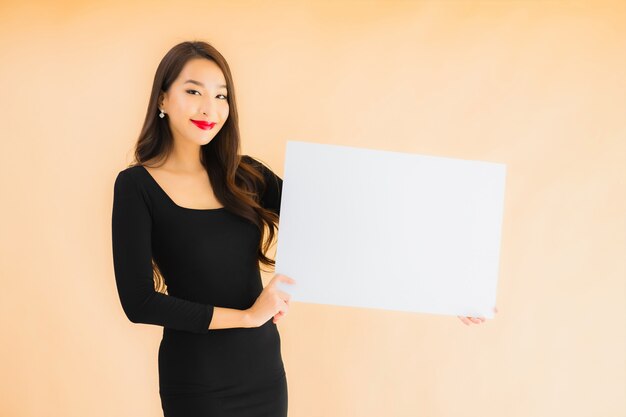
(272, 302)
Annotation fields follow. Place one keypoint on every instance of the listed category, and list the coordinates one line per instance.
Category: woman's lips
(202, 124)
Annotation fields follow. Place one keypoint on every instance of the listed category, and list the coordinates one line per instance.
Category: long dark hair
(235, 182)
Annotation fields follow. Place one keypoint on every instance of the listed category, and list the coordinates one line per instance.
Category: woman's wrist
(248, 319)
(227, 318)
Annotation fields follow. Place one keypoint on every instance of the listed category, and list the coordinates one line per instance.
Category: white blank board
(390, 230)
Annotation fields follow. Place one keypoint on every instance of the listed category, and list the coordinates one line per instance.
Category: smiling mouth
(203, 125)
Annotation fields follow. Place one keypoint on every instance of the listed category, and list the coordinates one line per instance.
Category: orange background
(537, 85)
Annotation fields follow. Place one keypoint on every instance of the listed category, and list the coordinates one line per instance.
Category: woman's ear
(161, 99)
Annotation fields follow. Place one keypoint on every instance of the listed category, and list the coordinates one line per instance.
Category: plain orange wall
(537, 85)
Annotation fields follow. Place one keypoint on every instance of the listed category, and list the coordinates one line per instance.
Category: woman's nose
(210, 111)
(209, 117)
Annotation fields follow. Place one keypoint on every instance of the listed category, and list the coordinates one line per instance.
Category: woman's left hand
(279, 315)
(477, 320)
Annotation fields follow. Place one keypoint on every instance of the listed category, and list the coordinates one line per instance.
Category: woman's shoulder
(250, 160)
(131, 171)
(257, 163)
(132, 175)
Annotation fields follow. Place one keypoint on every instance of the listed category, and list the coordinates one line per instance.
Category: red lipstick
(203, 124)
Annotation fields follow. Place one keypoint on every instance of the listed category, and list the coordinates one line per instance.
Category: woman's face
(199, 93)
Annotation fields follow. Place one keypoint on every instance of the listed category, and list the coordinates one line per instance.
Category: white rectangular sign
(390, 230)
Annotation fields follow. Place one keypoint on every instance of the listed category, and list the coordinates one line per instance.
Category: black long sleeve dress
(208, 258)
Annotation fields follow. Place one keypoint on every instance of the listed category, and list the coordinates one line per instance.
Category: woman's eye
(196, 91)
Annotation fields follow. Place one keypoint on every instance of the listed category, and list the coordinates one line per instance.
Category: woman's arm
(225, 318)
(272, 196)
(132, 260)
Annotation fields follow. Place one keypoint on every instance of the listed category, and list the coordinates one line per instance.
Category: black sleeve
(132, 261)
(271, 197)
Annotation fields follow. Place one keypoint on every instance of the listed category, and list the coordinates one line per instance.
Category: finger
(283, 295)
(282, 309)
(282, 312)
(285, 278)
(464, 320)
(474, 320)
(278, 277)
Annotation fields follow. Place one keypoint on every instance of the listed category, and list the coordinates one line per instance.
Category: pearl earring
(161, 115)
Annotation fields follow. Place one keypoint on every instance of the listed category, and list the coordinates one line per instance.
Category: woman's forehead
(203, 73)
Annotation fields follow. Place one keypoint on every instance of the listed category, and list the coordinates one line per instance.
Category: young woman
(194, 214)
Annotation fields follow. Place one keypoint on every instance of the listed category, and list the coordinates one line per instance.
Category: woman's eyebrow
(202, 85)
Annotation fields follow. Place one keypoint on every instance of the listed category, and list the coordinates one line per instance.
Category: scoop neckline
(154, 181)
